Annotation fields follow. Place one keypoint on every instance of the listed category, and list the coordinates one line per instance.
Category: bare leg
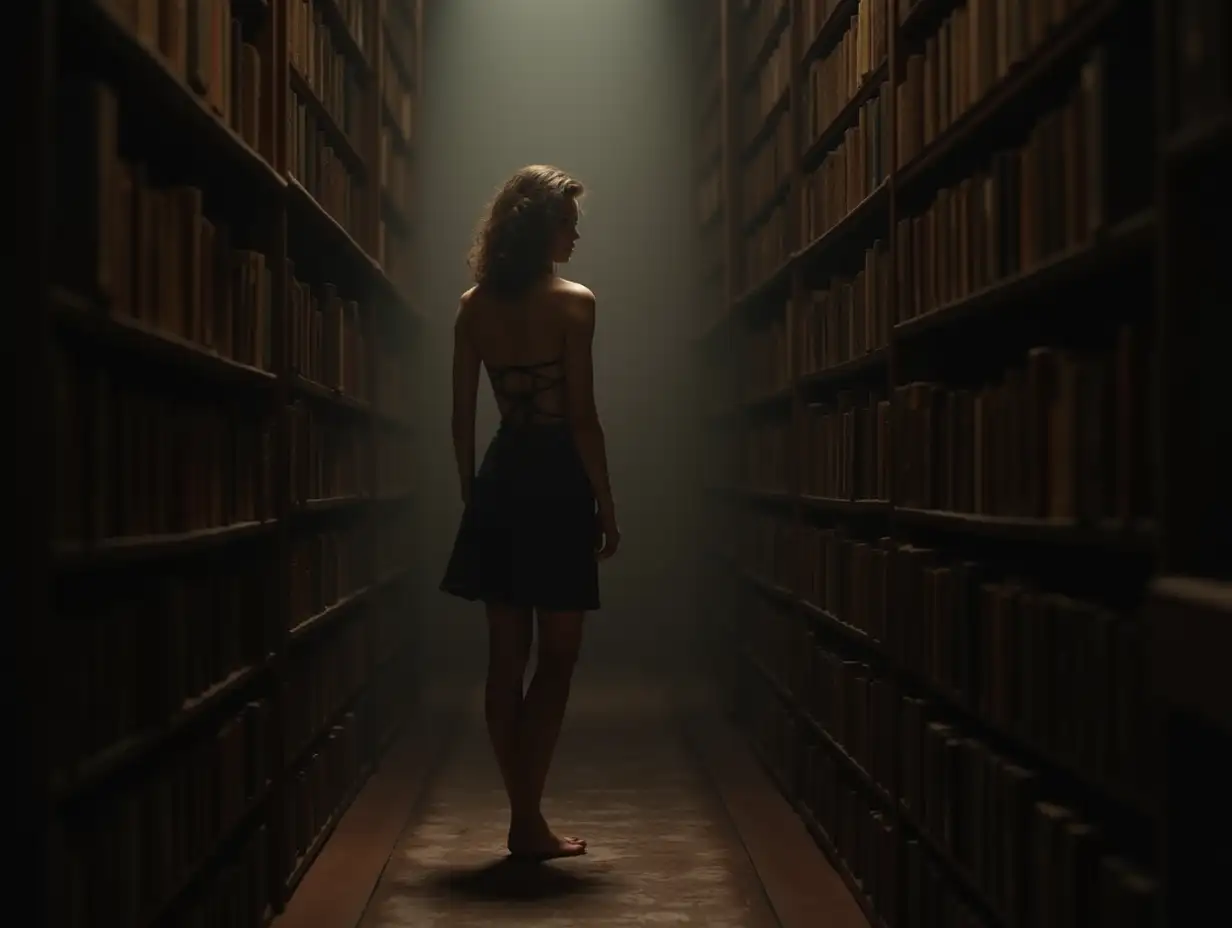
(543, 711)
(509, 638)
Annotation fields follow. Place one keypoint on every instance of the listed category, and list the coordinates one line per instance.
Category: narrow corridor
(664, 847)
(662, 851)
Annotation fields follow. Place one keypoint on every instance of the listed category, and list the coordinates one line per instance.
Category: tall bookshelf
(226, 640)
(964, 521)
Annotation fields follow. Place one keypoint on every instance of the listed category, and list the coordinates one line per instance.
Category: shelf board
(1115, 246)
(91, 774)
(1062, 532)
(855, 225)
(872, 363)
(305, 205)
(831, 31)
(330, 614)
(141, 549)
(958, 874)
(303, 386)
(922, 18)
(329, 504)
(78, 317)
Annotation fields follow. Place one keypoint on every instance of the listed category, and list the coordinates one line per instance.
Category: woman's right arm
(580, 399)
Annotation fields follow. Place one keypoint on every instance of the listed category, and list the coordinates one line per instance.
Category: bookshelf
(968, 536)
(224, 345)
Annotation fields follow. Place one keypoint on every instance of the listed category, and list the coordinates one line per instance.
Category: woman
(539, 513)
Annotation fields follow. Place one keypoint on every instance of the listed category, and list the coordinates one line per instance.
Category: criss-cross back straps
(524, 404)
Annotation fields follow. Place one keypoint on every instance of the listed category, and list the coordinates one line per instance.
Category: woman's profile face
(566, 239)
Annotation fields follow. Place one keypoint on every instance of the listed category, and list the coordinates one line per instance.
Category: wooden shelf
(1090, 304)
(141, 549)
(169, 135)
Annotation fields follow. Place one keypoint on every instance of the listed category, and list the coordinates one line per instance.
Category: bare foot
(537, 842)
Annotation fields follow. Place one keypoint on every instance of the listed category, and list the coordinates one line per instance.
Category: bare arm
(580, 399)
(465, 392)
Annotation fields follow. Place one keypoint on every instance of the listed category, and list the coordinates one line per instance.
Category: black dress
(528, 536)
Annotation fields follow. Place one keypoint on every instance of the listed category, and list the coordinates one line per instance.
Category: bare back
(524, 346)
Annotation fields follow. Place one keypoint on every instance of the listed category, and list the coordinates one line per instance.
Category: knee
(557, 657)
(509, 664)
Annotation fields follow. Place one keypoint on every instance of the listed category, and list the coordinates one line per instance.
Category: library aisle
(664, 847)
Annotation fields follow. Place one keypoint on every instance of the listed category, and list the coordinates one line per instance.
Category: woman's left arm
(465, 392)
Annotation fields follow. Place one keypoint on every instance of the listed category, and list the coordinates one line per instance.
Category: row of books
(814, 15)
(203, 45)
(1031, 204)
(766, 367)
(767, 455)
(862, 835)
(310, 30)
(322, 681)
(767, 87)
(326, 339)
(846, 447)
(1028, 852)
(1061, 674)
(395, 255)
(849, 318)
(767, 247)
(150, 252)
(768, 170)
(135, 460)
(328, 454)
(972, 50)
(989, 818)
(765, 545)
(846, 577)
(328, 72)
(126, 858)
(833, 80)
(140, 651)
(982, 641)
(238, 894)
(856, 167)
(326, 567)
(1062, 437)
(397, 99)
(318, 788)
(314, 160)
(396, 169)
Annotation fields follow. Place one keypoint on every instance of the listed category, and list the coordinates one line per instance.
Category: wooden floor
(683, 829)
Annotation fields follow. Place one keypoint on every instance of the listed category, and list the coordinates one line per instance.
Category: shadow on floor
(507, 880)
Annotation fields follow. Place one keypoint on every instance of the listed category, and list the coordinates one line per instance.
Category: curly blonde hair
(513, 245)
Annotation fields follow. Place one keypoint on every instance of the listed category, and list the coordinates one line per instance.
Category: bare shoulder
(466, 306)
(577, 302)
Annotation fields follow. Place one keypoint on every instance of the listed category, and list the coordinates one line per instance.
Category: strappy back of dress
(523, 404)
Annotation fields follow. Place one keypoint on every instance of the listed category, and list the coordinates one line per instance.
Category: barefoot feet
(534, 840)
